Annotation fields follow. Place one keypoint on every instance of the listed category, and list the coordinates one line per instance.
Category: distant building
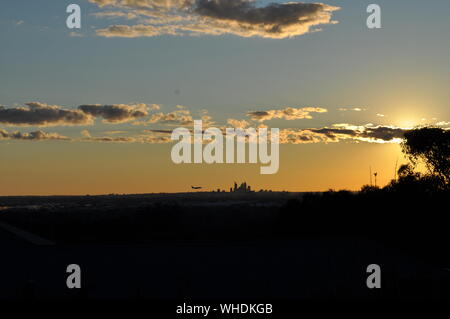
(243, 188)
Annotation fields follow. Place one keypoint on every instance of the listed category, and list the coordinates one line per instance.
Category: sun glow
(408, 123)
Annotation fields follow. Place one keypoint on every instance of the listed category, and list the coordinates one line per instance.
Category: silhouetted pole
(395, 170)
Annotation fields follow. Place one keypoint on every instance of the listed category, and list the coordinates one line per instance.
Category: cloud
(238, 123)
(154, 107)
(342, 132)
(124, 139)
(288, 113)
(168, 132)
(135, 31)
(273, 20)
(85, 133)
(334, 134)
(152, 138)
(115, 132)
(32, 136)
(76, 34)
(140, 4)
(115, 14)
(214, 17)
(443, 123)
(40, 114)
(155, 137)
(180, 117)
(382, 133)
(297, 136)
(355, 109)
(116, 113)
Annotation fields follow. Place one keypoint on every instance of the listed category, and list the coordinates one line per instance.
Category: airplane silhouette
(196, 187)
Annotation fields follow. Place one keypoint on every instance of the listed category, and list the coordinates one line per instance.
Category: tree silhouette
(430, 145)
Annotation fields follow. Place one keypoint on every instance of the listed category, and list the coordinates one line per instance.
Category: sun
(408, 123)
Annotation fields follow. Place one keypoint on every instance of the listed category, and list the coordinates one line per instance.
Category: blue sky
(225, 74)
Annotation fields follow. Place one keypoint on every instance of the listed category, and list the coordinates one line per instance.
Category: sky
(90, 110)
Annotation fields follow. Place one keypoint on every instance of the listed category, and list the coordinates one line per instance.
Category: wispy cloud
(154, 137)
(115, 14)
(74, 34)
(355, 109)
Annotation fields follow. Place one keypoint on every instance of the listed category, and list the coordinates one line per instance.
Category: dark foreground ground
(218, 246)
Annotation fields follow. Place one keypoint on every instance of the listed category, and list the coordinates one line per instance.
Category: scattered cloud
(288, 113)
(180, 117)
(116, 113)
(333, 134)
(31, 136)
(214, 17)
(176, 118)
(40, 114)
(155, 137)
(342, 132)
